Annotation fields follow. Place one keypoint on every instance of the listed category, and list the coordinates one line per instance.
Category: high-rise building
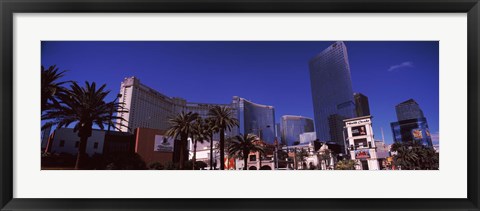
(362, 107)
(148, 108)
(408, 110)
(411, 124)
(332, 92)
(293, 126)
(255, 118)
(335, 124)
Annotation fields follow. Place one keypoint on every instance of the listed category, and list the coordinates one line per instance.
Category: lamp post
(344, 140)
(276, 154)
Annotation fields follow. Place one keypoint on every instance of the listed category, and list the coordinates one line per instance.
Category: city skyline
(161, 66)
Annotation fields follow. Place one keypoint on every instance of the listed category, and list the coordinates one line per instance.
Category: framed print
(250, 105)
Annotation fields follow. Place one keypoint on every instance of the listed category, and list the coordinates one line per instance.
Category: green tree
(241, 146)
(156, 166)
(200, 132)
(211, 129)
(51, 86)
(345, 165)
(182, 126)
(84, 106)
(224, 121)
(412, 155)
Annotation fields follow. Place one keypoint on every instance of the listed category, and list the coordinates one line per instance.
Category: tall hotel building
(331, 92)
(411, 124)
(148, 108)
(293, 127)
(255, 118)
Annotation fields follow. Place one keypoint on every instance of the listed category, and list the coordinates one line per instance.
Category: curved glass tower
(331, 92)
(255, 118)
(293, 126)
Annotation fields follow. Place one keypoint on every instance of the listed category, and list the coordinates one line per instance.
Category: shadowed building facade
(332, 92)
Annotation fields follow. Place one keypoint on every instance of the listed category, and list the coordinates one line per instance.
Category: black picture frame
(9, 7)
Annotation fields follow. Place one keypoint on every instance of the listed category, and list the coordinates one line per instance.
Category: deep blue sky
(266, 72)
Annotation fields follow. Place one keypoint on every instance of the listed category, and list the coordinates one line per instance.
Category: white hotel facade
(148, 108)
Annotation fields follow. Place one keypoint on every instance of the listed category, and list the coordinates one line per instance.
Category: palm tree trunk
(245, 159)
(260, 159)
(194, 158)
(211, 151)
(82, 155)
(182, 149)
(222, 149)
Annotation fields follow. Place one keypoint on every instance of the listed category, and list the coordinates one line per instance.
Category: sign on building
(163, 144)
(362, 154)
(361, 143)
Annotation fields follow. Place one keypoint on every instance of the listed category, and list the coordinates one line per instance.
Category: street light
(344, 140)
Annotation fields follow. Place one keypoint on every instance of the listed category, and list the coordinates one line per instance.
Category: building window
(77, 144)
(360, 143)
(253, 157)
(95, 145)
(62, 143)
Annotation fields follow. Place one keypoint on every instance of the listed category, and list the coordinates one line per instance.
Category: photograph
(240, 105)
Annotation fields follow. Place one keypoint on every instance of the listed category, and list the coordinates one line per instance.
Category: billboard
(359, 154)
(163, 144)
(359, 131)
(362, 142)
(417, 134)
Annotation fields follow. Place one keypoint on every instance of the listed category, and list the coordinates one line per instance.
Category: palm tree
(84, 106)
(211, 129)
(199, 134)
(182, 126)
(51, 87)
(413, 155)
(224, 120)
(241, 146)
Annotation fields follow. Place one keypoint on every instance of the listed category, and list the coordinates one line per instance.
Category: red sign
(229, 163)
(362, 154)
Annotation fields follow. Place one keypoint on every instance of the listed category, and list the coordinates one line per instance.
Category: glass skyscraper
(332, 92)
(412, 130)
(293, 126)
(412, 124)
(408, 110)
(255, 119)
(362, 106)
